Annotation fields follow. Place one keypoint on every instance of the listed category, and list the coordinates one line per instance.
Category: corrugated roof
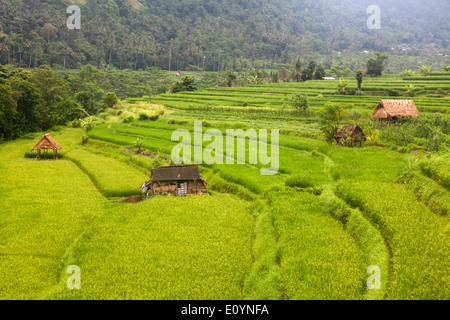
(176, 173)
(47, 142)
(395, 108)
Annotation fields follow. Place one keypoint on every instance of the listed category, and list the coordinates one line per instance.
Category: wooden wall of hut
(171, 187)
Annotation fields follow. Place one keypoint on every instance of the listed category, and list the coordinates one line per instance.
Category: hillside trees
(110, 99)
(340, 71)
(28, 103)
(320, 73)
(186, 84)
(310, 70)
(375, 66)
(33, 101)
(297, 70)
(9, 117)
(209, 35)
(231, 76)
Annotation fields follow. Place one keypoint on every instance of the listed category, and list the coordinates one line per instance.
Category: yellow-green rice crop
(318, 258)
(113, 177)
(166, 248)
(417, 239)
(44, 207)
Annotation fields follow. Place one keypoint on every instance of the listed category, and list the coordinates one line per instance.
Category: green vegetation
(372, 245)
(186, 262)
(429, 192)
(196, 35)
(318, 260)
(311, 231)
(45, 207)
(359, 79)
(299, 101)
(375, 66)
(30, 102)
(186, 84)
(113, 178)
(414, 234)
(438, 169)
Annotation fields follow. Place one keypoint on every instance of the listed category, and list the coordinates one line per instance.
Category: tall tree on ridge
(359, 78)
(297, 70)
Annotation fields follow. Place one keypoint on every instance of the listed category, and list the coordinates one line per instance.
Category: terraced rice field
(275, 96)
(309, 232)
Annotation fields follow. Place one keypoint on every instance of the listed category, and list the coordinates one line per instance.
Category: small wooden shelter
(393, 109)
(47, 143)
(350, 135)
(180, 181)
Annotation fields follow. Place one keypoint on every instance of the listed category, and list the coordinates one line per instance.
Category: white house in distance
(328, 78)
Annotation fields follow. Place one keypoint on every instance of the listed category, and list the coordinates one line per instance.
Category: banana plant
(410, 90)
(342, 85)
(373, 137)
(138, 144)
(425, 70)
(407, 73)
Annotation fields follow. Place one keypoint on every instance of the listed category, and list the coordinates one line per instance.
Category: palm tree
(4, 48)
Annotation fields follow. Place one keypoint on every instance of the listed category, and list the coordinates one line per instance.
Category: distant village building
(47, 143)
(349, 135)
(328, 78)
(179, 181)
(392, 109)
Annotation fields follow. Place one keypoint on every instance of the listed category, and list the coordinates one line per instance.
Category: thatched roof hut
(354, 132)
(47, 143)
(176, 180)
(392, 109)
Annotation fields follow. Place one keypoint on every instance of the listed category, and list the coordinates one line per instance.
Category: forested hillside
(215, 35)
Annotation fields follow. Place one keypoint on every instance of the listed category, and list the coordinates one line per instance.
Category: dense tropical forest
(216, 35)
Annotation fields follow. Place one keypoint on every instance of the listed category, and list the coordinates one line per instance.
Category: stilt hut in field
(349, 135)
(180, 181)
(47, 143)
(390, 110)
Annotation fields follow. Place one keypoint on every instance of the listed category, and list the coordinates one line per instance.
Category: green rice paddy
(311, 231)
